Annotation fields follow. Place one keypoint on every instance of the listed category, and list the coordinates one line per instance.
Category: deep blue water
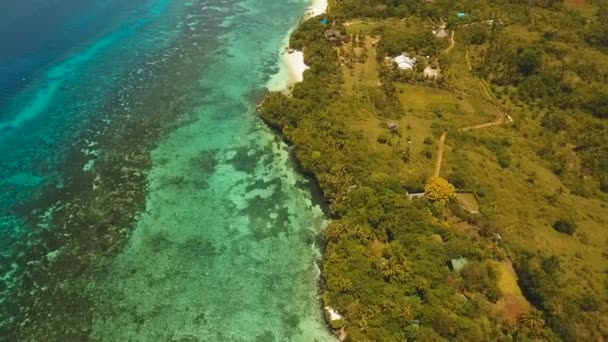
(55, 55)
(36, 34)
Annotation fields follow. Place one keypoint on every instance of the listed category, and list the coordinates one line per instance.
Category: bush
(604, 183)
(337, 324)
(504, 159)
(550, 265)
(428, 153)
(481, 277)
(528, 61)
(565, 226)
(383, 138)
(460, 180)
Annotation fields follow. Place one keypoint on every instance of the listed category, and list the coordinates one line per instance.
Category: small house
(333, 35)
(441, 33)
(458, 264)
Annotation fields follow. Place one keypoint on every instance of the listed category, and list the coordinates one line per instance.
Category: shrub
(565, 226)
(550, 265)
(460, 180)
(482, 278)
(604, 183)
(428, 154)
(383, 138)
(504, 159)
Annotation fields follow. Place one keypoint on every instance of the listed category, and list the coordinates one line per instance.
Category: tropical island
(462, 150)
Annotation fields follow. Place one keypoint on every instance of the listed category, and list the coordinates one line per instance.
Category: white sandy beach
(291, 65)
(291, 71)
(318, 7)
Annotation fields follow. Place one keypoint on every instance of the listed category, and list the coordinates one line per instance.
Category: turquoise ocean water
(141, 199)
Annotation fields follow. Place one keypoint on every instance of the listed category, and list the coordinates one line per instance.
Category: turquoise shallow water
(224, 243)
(226, 249)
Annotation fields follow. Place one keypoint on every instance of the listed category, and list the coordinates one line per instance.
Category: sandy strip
(318, 7)
(291, 62)
(291, 71)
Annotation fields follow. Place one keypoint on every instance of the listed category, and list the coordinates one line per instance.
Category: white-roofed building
(405, 62)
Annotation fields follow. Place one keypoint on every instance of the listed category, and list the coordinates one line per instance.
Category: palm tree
(344, 284)
(533, 320)
(406, 314)
(363, 324)
(333, 258)
(391, 269)
(334, 232)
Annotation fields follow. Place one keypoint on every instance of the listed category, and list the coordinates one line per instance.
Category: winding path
(503, 118)
(452, 43)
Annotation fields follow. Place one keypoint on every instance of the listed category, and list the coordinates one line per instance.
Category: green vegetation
(439, 190)
(564, 226)
(521, 97)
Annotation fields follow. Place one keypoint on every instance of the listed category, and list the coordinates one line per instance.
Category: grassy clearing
(362, 27)
(417, 98)
(513, 302)
(522, 33)
(373, 26)
(468, 201)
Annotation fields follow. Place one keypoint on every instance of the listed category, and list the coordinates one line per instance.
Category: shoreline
(291, 62)
(291, 71)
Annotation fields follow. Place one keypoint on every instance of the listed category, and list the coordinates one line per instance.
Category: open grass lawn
(443, 107)
(371, 26)
(418, 98)
(362, 27)
(522, 33)
(468, 201)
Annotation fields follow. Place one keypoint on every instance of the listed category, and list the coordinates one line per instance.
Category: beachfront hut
(405, 62)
